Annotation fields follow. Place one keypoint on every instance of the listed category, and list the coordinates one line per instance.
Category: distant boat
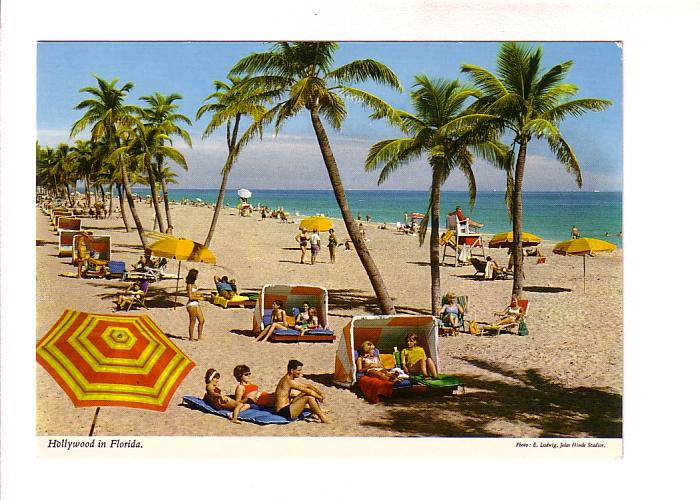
(596, 191)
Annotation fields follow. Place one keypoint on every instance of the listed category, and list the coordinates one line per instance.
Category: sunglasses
(246, 374)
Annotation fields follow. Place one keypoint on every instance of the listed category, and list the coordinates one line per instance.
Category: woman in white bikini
(192, 306)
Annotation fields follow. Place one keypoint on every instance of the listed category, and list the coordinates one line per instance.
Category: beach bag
(473, 328)
(541, 260)
(522, 328)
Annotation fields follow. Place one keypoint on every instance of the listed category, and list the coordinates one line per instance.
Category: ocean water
(549, 215)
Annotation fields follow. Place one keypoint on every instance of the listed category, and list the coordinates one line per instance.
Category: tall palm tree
(229, 104)
(106, 112)
(299, 76)
(436, 102)
(530, 104)
(162, 113)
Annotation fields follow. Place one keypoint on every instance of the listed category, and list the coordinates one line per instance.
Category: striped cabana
(385, 332)
(291, 296)
(65, 241)
(101, 244)
(66, 222)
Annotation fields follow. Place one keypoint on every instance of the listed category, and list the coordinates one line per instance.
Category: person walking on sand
(574, 232)
(193, 308)
(291, 407)
(332, 243)
(315, 241)
(303, 240)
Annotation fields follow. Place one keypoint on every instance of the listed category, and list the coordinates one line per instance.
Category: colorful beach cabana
(65, 241)
(385, 332)
(66, 222)
(292, 298)
(101, 244)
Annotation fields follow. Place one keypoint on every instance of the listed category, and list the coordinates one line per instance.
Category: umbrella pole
(177, 282)
(94, 421)
(584, 273)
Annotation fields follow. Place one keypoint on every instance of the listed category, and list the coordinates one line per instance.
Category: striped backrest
(291, 296)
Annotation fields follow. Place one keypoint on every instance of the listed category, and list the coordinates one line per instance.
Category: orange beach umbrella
(112, 360)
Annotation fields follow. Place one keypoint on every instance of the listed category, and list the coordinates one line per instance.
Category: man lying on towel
(290, 407)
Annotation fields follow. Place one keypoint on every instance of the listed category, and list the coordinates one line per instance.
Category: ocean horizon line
(378, 190)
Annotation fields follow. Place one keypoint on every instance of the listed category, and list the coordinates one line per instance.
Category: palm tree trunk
(435, 244)
(385, 303)
(154, 195)
(122, 208)
(132, 206)
(224, 180)
(517, 250)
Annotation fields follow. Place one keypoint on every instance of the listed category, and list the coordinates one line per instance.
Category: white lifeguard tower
(464, 238)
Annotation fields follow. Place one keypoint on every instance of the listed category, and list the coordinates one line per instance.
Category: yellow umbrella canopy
(182, 249)
(505, 240)
(318, 222)
(583, 247)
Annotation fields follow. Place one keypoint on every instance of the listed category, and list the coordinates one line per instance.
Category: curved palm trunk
(154, 195)
(132, 206)
(435, 293)
(385, 303)
(224, 181)
(517, 250)
(166, 202)
(122, 208)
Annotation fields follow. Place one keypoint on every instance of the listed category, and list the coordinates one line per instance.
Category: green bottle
(397, 357)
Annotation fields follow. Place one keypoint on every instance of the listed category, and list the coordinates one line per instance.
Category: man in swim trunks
(290, 407)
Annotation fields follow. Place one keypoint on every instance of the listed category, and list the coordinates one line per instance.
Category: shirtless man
(290, 407)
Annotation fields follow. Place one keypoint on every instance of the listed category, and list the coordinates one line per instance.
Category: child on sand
(214, 397)
(414, 359)
(278, 321)
(247, 392)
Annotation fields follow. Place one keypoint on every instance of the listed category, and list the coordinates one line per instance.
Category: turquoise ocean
(549, 215)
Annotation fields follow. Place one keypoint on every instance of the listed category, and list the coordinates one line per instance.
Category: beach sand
(563, 379)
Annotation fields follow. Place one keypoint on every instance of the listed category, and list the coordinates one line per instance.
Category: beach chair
(117, 269)
(480, 270)
(463, 301)
(136, 299)
(511, 327)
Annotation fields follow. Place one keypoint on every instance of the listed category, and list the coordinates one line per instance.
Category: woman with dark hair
(193, 309)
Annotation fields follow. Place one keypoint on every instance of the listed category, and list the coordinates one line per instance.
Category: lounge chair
(135, 299)
(512, 327)
(463, 301)
(96, 268)
(117, 268)
(480, 270)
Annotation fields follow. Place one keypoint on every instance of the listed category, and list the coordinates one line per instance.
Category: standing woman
(192, 306)
(303, 240)
(332, 243)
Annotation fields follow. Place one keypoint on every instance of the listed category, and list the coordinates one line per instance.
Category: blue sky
(292, 159)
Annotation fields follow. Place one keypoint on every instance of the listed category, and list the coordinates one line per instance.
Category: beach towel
(256, 414)
(372, 388)
(439, 382)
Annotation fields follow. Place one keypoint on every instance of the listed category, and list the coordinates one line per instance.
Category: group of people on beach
(411, 360)
(304, 239)
(289, 399)
(303, 322)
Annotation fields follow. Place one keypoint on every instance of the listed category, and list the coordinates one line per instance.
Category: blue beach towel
(256, 414)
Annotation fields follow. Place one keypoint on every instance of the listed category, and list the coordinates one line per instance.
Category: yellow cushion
(388, 361)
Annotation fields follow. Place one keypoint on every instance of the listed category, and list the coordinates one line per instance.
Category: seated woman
(312, 321)
(247, 392)
(510, 314)
(214, 397)
(492, 269)
(451, 312)
(370, 364)
(224, 288)
(278, 321)
(301, 321)
(414, 359)
(133, 291)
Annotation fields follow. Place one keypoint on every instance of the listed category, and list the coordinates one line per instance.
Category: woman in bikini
(193, 308)
(451, 312)
(510, 314)
(278, 321)
(247, 392)
(214, 397)
(372, 365)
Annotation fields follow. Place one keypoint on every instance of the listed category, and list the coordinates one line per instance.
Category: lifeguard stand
(462, 239)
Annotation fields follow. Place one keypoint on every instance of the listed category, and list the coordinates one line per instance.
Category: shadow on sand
(546, 289)
(526, 400)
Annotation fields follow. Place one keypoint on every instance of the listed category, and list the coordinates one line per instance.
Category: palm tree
(437, 102)
(529, 103)
(107, 113)
(162, 114)
(301, 73)
(229, 104)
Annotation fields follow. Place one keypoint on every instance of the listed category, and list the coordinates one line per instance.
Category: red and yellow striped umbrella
(112, 360)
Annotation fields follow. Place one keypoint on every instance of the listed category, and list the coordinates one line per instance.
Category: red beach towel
(372, 388)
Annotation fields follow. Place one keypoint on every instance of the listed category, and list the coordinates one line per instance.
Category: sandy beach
(564, 379)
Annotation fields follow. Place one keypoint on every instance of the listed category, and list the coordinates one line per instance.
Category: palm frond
(380, 108)
(484, 80)
(577, 107)
(392, 153)
(365, 69)
(566, 157)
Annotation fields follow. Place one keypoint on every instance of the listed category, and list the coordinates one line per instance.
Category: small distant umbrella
(416, 215)
(112, 360)
(181, 249)
(244, 193)
(505, 240)
(583, 247)
(319, 222)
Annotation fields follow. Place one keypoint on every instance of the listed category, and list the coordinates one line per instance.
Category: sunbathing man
(223, 287)
(291, 407)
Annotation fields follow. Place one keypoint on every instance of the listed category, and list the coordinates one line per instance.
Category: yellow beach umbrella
(318, 222)
(505, 240)
(583, 247)
(181, 249)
